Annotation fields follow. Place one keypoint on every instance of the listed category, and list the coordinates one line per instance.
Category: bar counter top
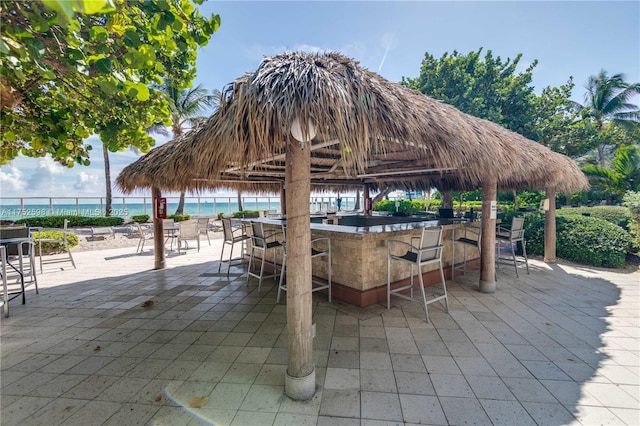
(351, 226)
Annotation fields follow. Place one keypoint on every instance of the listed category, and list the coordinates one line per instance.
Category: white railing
(12, 208)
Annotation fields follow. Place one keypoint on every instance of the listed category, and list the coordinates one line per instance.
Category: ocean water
(10, 209)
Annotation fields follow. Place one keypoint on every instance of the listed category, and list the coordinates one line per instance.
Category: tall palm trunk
(180, 209)
(107, 179)
(240, 208)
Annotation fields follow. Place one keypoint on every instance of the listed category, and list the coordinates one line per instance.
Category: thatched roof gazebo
(321, 119)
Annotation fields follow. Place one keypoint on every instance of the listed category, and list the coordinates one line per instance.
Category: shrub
(53, 247)
(141, 218)
(179, 217)
(581, 239)
(246, 214)
(632, 202)
(58, 221)
(614, 214)
(220, 216)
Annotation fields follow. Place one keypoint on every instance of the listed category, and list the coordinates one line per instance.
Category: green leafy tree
(559, 123)
(488, 87)
(74, 68)
(491, 88)
(66, 76)
(608, 101)
(622, 176)
(187, 108)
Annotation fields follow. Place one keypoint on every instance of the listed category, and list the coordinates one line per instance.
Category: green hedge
(141, 218)
(615, 214)
(52, 247)
(632, 201)
(414, 206)
(179, 217)
(58, 221)
(581, 239)
(246, 214)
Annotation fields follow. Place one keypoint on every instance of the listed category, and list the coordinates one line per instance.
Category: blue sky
(572, 38)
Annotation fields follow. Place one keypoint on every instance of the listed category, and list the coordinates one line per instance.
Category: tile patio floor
(559, 346)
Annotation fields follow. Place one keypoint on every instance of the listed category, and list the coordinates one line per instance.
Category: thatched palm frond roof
(369, 131)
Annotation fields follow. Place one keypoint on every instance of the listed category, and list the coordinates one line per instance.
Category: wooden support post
(300, 380)
(283, 201)
(365, 195)
(550, 227)
(488, 243)
(447, 199)
(158, 233)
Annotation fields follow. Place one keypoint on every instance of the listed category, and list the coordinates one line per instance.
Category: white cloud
(11, 179)
(86, 182)
(43, 178)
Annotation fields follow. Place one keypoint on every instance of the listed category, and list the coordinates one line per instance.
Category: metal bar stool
(263, 242)
(232, 234)
(511, 237)
(471, 239)
(423, 250)
(320, 247)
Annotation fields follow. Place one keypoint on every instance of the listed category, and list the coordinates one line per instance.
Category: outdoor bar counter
(359, 252)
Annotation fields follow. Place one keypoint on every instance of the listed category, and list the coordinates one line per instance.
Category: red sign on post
(161, 208)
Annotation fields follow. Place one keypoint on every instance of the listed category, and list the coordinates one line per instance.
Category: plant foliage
(74, 68)
(54, 247)
(581, 239)
(58, 221)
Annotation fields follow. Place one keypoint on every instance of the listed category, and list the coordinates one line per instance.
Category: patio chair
(232, 234)
(264, 242)
(203, 227)
(471, 240)
(61, 242)
(511, 237)
(320, 247)
(14, 257)
(422, 251)
(170, 231)
(188, 232)
(144, 233)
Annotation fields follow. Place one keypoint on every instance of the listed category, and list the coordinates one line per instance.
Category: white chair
(232, 234)
(61, 242)
(188, 231)
(320, 247)
(203, 227)
(511, 237)
(423, 250)
(264, 242)
(170, 232)
(145, 233)
(470, 240)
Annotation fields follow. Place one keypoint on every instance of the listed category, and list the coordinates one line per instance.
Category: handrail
(12, 208)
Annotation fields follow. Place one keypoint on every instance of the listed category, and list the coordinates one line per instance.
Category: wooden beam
(488, 243)
(550, 227)
(300, 376)
(158, 232)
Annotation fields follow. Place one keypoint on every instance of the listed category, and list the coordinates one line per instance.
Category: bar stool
(511, 237)
(427, 251)
(231, 235)
(263, 242)
(320, 247)
(471, 239)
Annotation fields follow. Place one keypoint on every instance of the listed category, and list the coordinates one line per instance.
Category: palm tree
(624, 173)
(607, 101)
(186, 107)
